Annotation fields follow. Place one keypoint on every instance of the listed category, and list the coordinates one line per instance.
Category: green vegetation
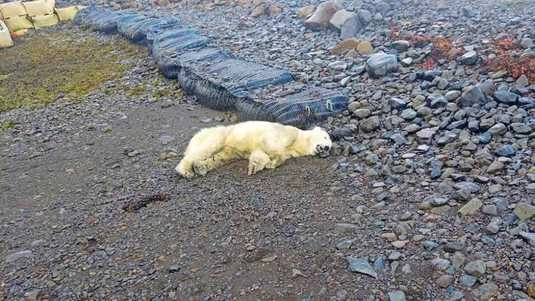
(45, 66)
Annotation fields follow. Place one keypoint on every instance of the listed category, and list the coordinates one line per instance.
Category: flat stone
(472, 96)
(18, 255)
(306, 11)
(361, 265)
(476, 268)
(467, 280)
(524, 211)
(506, 97)
(469, 58)
(487, 291)
(401, 45)
(471, 207)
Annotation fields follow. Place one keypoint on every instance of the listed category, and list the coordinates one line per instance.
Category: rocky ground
(429, 194)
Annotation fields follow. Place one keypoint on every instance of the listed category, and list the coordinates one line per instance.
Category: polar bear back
(267, 136)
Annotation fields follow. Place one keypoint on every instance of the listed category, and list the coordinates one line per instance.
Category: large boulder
(380, 64)
(323, 14)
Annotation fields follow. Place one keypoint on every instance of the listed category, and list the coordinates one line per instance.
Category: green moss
(45, 66)
(6, 125)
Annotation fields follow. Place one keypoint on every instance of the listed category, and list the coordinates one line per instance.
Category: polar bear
(264, 144)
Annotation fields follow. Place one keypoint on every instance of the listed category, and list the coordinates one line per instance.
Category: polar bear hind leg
(202, 146)
(221, 158)
(257, 161)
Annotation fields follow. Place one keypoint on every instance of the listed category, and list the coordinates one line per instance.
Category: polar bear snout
(323, 150)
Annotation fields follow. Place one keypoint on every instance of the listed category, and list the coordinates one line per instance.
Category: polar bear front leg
(257, 161)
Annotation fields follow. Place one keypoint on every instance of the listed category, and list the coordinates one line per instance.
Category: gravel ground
(429, 194)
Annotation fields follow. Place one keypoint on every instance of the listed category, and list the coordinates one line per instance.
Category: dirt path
(226, 236)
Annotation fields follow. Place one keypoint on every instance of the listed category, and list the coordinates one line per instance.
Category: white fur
(264, 144)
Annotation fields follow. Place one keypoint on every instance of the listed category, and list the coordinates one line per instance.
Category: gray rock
(440, 264)
(408, 114)
(344, 244)
(506, 150)
(361, 265)
(351, 28)
(397, 296)
(469, 58)
(487, 291)
(10, 258)
(452, 95)
(365, 16)
(521, 128)
(471, 207)
(526, 43)
(498, 129)
(471, 97)
(370, 124)
(495, 167)
(380, 64)
(362, 113)
(467, 280)
(506, 97)
(476, 268)
(397, 103)
(426, 134)
(340, 17)
(401, 45)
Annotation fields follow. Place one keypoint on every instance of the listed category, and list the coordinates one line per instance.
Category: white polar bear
(264, 144)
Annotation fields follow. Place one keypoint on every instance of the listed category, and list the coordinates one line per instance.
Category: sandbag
(44, 21)
(177, 45)
(301, 109)
(5, 37)
(170, 65)
(67, 13)
(222, 84)
(18, 23)
(38, 8)
(12, 9)
(143, 33)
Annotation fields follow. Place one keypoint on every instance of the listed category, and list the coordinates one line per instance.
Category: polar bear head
(319, 142)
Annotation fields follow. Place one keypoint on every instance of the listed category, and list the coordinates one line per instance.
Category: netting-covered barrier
(216, 77)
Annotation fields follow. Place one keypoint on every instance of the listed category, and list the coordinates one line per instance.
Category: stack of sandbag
(41, 13)
(5, 37)
(15, 16)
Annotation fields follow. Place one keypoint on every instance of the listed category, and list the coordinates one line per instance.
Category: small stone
(406, 61)
(365, 48)
(471, 207)
(476, 268)
(399, 243)
(361, 265)
(467, 280)
(344, 244)
(174, 268)
(395, 255)
(380, 64)
(408, 114)
(469, 58)
(490, 210)
(401, 45)
(369, 125)
(486, 291)
(472, 96)
(440, 264)
(524, 211)
(426, 134)
(444, 281)
(452, 95)
(397, 296)
(498, 129)
(506, 150)
(495, 167)
(506, 97)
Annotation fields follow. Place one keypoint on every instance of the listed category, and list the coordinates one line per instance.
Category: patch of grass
(6, 125)
(43, 67)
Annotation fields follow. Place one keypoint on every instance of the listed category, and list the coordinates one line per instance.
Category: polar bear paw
(257, 162)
